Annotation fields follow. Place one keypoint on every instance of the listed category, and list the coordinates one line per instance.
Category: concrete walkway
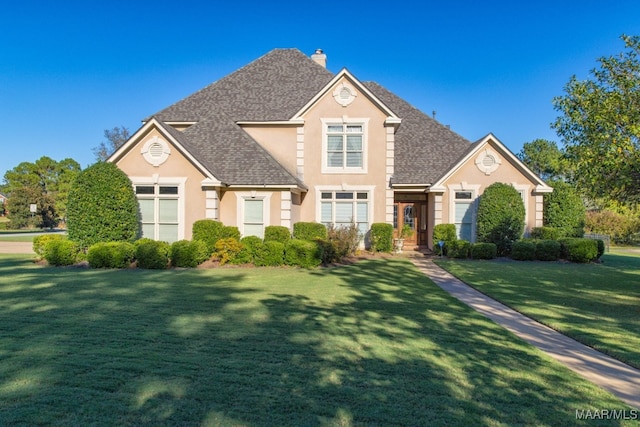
(620, 379)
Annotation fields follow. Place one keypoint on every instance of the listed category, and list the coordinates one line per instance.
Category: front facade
(284, 140)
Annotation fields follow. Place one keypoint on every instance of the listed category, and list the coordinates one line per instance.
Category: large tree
(545, 159)
(114, 139)
(46, 182)
(600, 126)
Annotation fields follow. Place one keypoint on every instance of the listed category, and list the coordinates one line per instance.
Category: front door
(409, 213)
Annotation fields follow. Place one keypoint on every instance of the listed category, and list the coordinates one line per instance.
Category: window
(464, 213)
(344, 146)
(159, 211)
(253, 217)
(341, 208)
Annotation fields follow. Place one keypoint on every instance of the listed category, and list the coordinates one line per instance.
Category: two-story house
(283, 140)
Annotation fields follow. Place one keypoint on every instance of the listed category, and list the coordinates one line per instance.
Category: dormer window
(344, 146)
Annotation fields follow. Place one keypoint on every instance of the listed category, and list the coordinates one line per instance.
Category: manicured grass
(596, 304)
(21, 238)
(375, 343)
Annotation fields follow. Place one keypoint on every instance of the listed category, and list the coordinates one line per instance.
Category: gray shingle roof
(424, 148)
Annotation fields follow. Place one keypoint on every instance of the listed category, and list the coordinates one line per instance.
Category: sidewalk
(620, 379)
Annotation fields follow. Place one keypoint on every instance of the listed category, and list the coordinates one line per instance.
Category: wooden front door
(409, 213)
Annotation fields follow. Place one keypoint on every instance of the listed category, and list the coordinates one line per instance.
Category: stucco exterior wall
(278, 140)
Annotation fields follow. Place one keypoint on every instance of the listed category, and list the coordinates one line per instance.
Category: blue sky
(71, 69)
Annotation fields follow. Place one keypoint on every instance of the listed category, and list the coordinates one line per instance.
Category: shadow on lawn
(382, 346)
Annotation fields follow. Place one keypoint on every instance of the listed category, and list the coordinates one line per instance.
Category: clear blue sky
(71, 69)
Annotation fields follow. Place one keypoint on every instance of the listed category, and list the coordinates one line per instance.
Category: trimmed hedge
(458, 249)
(41, 241)
(152, 254)
(581, 250)
(381, 237)
(227, 249)
(270, 253)
(445, 233)
(230, 232)
(545, 233)
(484, 251)
(564, 210)
(61, 252)
(601, 247)
(309, 231)
(500, 216)
(302, 253)
(188, 253)
(209, 231)
(523, 250)
(548, 250)
(277, 233)
(247, 253)
(111, 255)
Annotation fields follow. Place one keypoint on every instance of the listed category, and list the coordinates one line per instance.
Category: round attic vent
(344, 94)
(155, 151)
(488, 161)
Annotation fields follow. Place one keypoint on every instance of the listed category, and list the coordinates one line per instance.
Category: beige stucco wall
(278, 140)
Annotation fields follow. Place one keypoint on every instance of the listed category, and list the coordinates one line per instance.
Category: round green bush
(484, 250)
(582, 250)
(102, 207)
(381, 237)
(209, 231)
(458, 249)
(548, 250)
(247, 253)
(278, 233)
(523, 250)
(61, 252)
(564, 210)
(302, 253)
(309, 231)
(601, 247)
(152, 254)
(39, 242)
(188, 253)
(111, 254)
(444, 233)
(230, 232)
(269, 253)
(545, 233)
(500, 217)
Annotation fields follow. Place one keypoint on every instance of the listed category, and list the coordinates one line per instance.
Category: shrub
(564, 210)
(381, 237)
(102, 206)
(564, 246)
(40, 242)
(547, 250)
(309, 231)
(227, 249)
(601, 247)
(620, 226)
(230, 232)
(269, 253)
(152, 254)
(328, 251)
(500, 217)
(302, 253)
(247, 253)
(277, 233)
(523, 250)
(459, 249)
(444, 233)
(484, 250)
(545, 233)
(61, 252)
(208, 231)
(188, 253)
(111, 254)
(345, 239)
(582, 250)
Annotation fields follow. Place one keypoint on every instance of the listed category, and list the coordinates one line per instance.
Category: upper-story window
(344, 146)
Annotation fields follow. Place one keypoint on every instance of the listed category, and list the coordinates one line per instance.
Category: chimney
(320, 57)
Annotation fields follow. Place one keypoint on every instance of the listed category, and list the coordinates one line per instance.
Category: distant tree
(500, 217)
(102, 206)
(46, 182)
(115, 138)
(600, 126)
(545, 159)
(21, 215)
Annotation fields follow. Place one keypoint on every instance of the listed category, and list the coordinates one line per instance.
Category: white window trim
(167, 181)
(149, 157)
(525, 193)
(241, 196)
(365, 137)
(474, 189)
(355, 188)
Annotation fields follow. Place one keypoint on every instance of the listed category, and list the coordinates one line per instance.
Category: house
(283, 140)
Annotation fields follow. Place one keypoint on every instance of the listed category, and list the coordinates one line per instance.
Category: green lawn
(375, 343)
(597, 304)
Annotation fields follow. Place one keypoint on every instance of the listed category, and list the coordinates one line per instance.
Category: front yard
(374, 343)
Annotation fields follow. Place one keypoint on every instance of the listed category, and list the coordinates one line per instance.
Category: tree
(500, 217)
(102, 206)
(115, 138)
(600, 126)
(564, 210)
(545, 159)
(21, 215)
(46, 182)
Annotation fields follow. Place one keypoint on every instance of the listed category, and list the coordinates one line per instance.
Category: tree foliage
(500, 218)
(600, 126)
(45, 183)
(564, 210)
(102, 206)
(545, 159)
(114, 139)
